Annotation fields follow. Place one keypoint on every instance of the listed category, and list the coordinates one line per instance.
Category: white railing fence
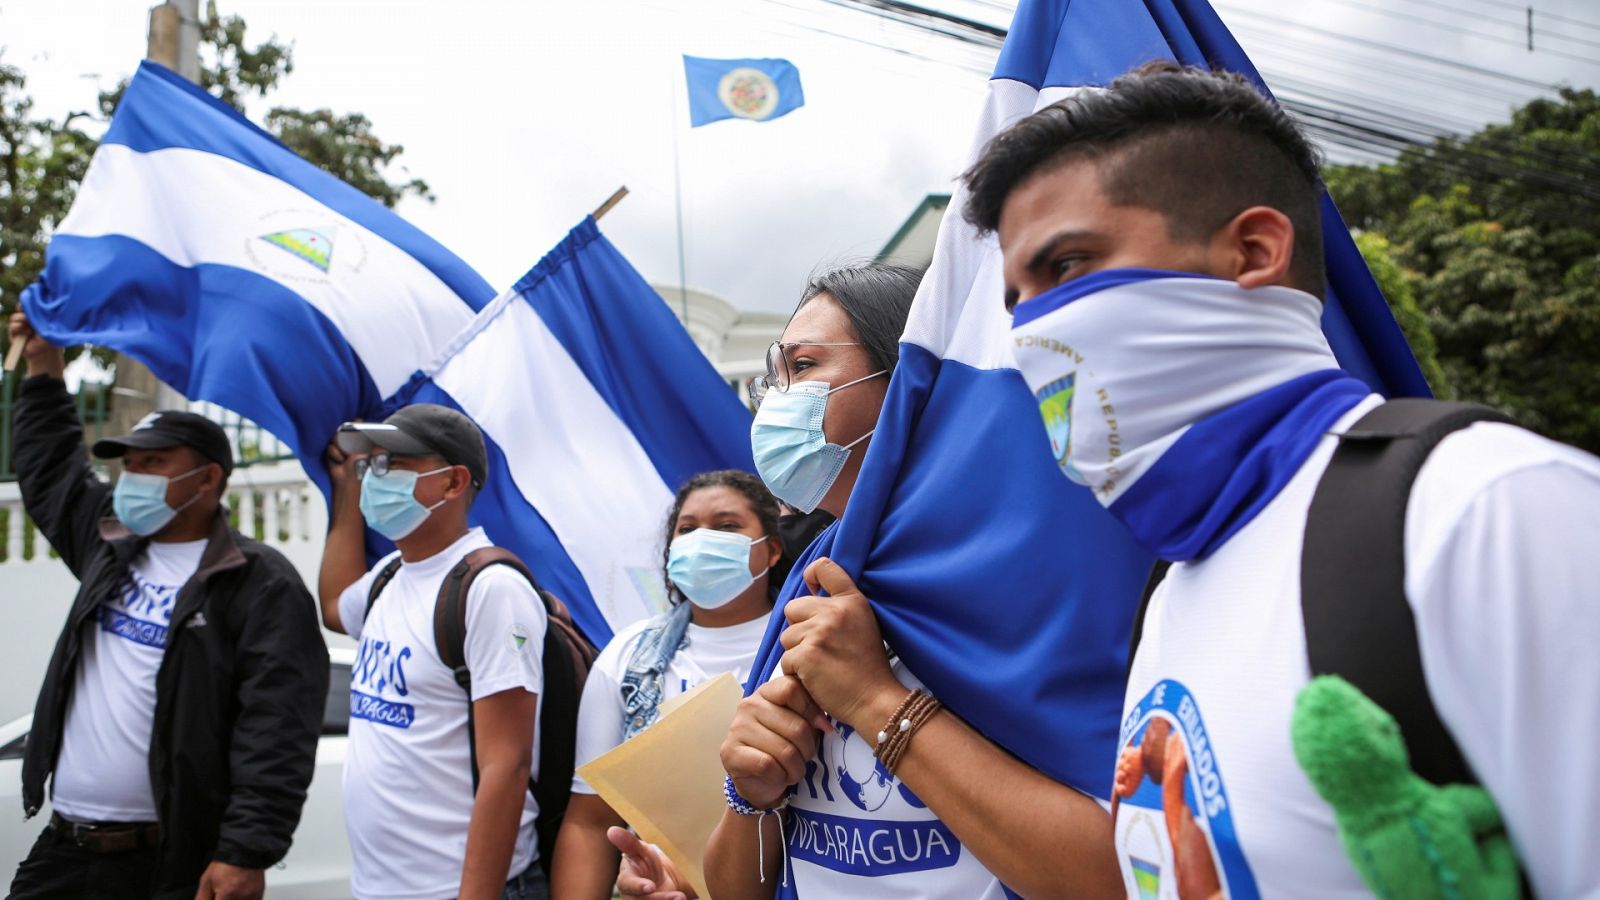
(274, 503)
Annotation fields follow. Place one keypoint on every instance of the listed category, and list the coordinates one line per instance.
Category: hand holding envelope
(667, 781)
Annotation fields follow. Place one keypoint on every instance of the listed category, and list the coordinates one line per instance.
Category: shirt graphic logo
(141, 612)
(846, 767)
(1169, 807)
(379, 670)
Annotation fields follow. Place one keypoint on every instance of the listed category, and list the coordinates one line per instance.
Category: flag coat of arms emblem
(754, 89)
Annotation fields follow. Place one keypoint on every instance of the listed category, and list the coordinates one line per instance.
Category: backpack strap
(450, 625)
(568, 656)
(1157, 572)
(1358, 622)
(381, 581)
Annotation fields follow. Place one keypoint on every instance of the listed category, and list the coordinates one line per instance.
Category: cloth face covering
(140, 501)
(1184, 402)
(792, 454)
(389, 504)
(712, 567)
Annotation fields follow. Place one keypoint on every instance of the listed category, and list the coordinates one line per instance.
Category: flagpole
(677, 204)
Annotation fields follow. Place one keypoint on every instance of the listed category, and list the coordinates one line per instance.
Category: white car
(318, 864)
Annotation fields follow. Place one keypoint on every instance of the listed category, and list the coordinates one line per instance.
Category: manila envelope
(667, 781)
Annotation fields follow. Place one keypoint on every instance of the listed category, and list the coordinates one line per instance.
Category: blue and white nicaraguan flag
(245, 276)
(242, 274)
(596, 405)
(754, 89)
(1008, 591)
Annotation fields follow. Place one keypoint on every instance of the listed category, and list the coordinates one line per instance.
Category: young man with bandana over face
(179, 717)
(1163, 258)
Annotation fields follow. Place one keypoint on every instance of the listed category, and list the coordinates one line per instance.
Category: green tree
(1497, 237)
(42, 162)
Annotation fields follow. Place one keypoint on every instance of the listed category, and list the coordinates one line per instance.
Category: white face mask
(1122, 361)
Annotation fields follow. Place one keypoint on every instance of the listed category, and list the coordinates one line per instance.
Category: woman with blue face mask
(722, 562)
(846, 777)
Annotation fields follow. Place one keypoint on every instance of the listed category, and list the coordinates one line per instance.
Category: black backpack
(568, 656)
(1358, 622)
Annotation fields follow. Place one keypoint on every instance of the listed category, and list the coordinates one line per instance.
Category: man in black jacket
(179, 717)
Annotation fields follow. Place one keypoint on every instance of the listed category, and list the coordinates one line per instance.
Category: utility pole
(174, 42)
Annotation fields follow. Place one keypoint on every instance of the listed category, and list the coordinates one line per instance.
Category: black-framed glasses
(376, 463)
(779, 376)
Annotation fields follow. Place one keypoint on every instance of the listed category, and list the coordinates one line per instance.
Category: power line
(1520, 26)
(1396, 49)
(1471, 32)
(1367, 129)
(1521, 8)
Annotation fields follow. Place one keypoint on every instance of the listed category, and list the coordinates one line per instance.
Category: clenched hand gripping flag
(242, 274)
(1007, 590)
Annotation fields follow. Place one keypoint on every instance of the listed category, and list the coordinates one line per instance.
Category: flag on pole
(1007, 590)
(755, 89)
(596, 406)
(243, 275)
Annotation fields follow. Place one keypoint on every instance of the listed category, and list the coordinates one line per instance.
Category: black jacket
(242, 683)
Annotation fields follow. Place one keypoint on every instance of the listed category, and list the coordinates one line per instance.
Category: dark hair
(762, 503)
(1198, 147)
(876, 296)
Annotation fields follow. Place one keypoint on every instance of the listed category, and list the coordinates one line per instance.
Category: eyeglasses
(376, 463)
(779, 376)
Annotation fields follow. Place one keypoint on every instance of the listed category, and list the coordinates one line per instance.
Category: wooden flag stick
(611, 201)
(14, 355)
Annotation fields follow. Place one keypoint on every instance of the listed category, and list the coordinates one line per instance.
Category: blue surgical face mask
(140, 501)
(712, 567)
(792, 454)
(389, 503)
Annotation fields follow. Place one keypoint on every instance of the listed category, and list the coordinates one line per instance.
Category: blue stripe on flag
(511, 522)
(120, 293)
(161, 109)
(993, 577)
(638, 357)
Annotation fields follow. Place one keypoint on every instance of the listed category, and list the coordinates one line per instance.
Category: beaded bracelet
(913, 712)
(742, 806)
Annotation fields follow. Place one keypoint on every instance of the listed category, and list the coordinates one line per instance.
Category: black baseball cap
(422, 429)
(172, 428)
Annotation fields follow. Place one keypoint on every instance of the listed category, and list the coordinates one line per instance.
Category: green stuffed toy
(1406, 837)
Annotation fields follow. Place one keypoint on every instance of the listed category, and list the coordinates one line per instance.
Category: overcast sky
(524, 116)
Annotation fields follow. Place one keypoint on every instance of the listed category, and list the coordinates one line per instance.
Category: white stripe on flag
(960, 312)
(194, 207)
(570, 456)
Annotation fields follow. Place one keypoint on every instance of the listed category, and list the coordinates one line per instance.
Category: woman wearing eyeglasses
(846, 778)
(722, 567)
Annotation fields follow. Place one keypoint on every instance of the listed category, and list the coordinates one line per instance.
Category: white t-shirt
(709, 653)
(103, 772)
(1500, 535)
(855, 831)
(408, 769)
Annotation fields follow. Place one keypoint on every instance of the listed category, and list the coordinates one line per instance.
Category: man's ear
(460, 482)
(211, 479)
(774, 550)
(1255, 248)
